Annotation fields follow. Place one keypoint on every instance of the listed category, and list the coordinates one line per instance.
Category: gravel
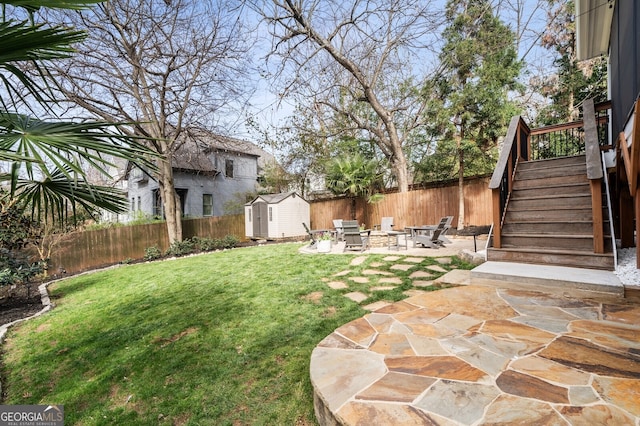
(626, 270)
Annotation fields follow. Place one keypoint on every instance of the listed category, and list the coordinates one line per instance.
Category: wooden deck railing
(516, 147)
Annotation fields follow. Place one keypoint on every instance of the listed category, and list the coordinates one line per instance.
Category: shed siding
(290, 215)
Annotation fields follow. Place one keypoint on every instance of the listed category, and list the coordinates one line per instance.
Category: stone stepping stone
(420, 274)
(401, 267)
(390, 280)
(443, 260)
(356, 296)
(337, 285)
(358, 260)
(377, 264)
(414, 259)
(436, 268)
(392, 258)
(382, 288)
(342, 273)
(422, 283)
(375, 272)
(361, 280)
(376, 305)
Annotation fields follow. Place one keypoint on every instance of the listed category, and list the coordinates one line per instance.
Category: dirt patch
(164, 342)
(19, 302)
(313, 297)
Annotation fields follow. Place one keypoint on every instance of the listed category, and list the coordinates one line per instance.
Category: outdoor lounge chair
(431, 239)
(386, 224)
(312, 236)
(354, 238)
(337, 224)
(447, 226)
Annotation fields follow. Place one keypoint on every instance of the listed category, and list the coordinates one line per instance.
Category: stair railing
(514, 149)
(594, 172)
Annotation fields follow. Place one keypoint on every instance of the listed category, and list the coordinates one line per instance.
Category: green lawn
(221, 338)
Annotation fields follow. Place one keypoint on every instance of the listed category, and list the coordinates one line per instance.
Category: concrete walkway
(473, 355)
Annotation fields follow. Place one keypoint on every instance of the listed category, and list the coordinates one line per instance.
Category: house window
(270, 214)
(207, 205)
(139, 204)
(133, 204)
(228, 168)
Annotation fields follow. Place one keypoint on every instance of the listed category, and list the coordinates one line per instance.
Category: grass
(223, 338)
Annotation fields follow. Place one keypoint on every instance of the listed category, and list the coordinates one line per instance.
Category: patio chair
(447, 226)
(337, 224)
(312, 236)
(432, 240)
(354, 238)
(386, 224)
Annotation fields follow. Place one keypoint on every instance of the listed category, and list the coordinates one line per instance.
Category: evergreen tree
(471, 106)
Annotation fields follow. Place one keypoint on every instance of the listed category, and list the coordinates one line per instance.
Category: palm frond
(63, 143)
(20, 42)
(54, 195)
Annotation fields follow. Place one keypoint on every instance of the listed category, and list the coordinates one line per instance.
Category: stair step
(581, 188)
(565, 213)
(579, 242)
(571, 258)
(554, 162)
(586, 283)
(549, 201)
(552, 181)
(551, 172)
(548, 227)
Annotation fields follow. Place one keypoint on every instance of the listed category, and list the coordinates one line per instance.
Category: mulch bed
(20, 302)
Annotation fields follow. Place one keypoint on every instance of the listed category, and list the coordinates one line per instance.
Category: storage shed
(274, 216)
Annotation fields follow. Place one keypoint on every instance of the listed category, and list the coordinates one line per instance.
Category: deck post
(497, 219)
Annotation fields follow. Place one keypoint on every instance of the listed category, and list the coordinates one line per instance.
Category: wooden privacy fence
(88, 250)
(417, 207)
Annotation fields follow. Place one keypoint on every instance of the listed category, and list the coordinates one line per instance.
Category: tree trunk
(400, 170)
(460, 186)
(171, 202)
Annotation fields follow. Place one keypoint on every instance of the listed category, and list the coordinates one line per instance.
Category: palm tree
(354, 176)
(49, 157)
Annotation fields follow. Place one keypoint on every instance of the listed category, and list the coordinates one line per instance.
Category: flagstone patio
(474, 355)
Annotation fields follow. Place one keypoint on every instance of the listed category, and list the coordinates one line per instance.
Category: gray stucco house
(210, 172)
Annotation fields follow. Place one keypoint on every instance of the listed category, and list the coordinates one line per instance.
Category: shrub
(230, 241)
(152, 253)
(206, 244)
(181, 248)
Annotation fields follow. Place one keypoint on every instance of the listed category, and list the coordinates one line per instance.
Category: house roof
(195, 145)
(593, 27)
(274, 198)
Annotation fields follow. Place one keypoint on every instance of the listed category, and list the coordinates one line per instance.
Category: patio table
(393, 240)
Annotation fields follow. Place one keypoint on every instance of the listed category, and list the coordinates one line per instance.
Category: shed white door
(260, 219)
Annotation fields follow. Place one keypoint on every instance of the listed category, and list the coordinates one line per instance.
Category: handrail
(515, 147)
(594, 173)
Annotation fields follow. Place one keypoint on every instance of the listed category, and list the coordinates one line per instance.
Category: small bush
(181, 248)
(152, 253)
(206, 244)
(230, 241)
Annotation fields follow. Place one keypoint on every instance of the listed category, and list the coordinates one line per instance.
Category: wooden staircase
(549, 218)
